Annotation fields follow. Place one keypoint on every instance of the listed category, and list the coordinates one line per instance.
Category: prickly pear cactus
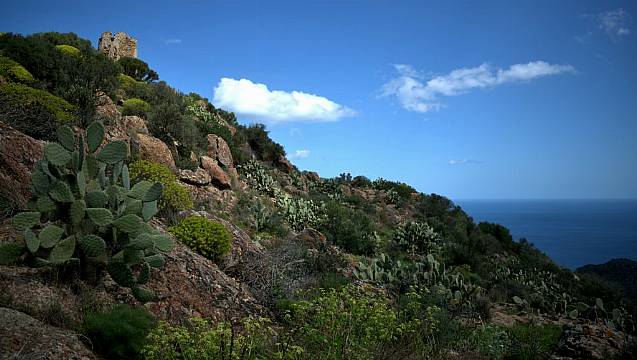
(85, 210)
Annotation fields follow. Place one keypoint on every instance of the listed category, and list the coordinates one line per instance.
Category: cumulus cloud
(300, 154)
(614, 23)
(256, 100)
(464, 162)
(416, 93)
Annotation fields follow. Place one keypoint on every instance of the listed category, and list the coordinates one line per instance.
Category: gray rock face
(23, 337)
(117, 46)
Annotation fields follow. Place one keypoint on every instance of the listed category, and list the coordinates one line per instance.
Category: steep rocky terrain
(292, 233)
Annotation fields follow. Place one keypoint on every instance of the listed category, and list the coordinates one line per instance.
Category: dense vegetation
(400, 274)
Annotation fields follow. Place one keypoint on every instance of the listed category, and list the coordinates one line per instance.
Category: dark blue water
(572, 232)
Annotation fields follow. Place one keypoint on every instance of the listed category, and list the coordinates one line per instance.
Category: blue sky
(525, 99)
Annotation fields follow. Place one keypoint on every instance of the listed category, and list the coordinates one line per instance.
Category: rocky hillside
(142, 222)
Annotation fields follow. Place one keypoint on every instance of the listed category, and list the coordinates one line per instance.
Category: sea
(572, 232)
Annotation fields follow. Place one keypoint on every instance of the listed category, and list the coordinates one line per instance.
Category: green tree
(137, 69)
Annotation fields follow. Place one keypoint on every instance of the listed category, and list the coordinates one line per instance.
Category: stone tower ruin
(117, 46)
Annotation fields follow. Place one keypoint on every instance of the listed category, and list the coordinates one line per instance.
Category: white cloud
(300, 154)
(614, 23)
(256, 100)
(464, 162)
(171, 41)
(415, 93)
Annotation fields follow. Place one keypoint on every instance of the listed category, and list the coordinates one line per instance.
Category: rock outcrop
(117, 46)
(199, 177)
(152, 149)
(218, 177)
(23, 337)
(18, 155)
(219, 150)
(590, 341)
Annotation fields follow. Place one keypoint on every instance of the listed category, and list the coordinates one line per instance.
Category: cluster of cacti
(85, 210)
(427, 273)
(330, 187)
(299, 212)
(417, 238)
(258, 177)
(199, 111)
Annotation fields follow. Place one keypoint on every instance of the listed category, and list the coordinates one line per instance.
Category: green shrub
(136, 107)
(175, 196)
(348, 323)
(490, 340)
(137, 69)
(68, 50)
(199, 339)
(76, 79)
(349, 228)
(33, 112)
(22, 96)
(264, 147)
(207, 237)
(119, 333)
(13, 71)
(533, 342)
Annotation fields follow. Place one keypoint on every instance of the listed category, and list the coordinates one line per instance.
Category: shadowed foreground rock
(23, 337)
(18, 155)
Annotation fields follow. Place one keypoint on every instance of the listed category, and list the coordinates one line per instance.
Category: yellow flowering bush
(207, 237)
(174, 196)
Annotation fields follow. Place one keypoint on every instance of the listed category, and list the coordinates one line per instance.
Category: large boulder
(18, 155)
(591, 341)
(218, 149)
(191, 285)
(106, 109)
(152, 149)
(125, 127)
(198, 177)
(218, 177)
(23, 337)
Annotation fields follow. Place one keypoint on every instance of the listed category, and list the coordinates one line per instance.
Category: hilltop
(157, 226)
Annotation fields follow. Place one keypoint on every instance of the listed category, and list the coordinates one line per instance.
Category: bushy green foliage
(175, 196)
(70, 39)
(81, 214)
(402, 190)
(76, 79)
(137, 69)
(68, 50)
(119, 333)
(417, 237)
(199, 339)
(533, 342)
(32, 111)
(205, 236)
(262, 145)
(349, 228)
(13, 71)
(134, 106)
(345, 323)
(23, 96)
(490, 341)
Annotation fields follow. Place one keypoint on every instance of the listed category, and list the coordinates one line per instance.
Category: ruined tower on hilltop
(117, 46)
